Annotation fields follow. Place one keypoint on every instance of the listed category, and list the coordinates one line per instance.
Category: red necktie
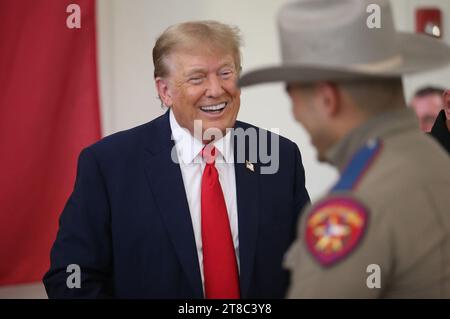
(219, 259)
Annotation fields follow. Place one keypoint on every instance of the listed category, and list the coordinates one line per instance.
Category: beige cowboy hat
(326, 40)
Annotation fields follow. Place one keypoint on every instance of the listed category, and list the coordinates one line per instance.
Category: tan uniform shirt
(385, 232)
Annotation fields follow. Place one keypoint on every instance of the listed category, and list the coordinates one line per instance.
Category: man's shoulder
(396, 168)
(127, 140)
(412, 156)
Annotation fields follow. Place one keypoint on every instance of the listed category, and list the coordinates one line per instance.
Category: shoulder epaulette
(358, 166)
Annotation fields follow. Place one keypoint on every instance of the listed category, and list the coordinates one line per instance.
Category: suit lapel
(166, 183)
(247, 189)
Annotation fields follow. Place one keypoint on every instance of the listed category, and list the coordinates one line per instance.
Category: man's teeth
(213, 108)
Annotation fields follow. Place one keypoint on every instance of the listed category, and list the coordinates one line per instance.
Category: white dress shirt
(192, 165)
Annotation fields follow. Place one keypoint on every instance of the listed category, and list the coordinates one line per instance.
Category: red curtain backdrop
(49, 111)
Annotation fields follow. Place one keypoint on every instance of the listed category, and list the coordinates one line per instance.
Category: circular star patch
(334, 228)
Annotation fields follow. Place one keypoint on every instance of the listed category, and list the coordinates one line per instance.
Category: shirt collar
(381, 126)
(188, 147)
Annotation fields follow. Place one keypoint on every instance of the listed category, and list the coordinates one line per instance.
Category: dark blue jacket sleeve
(301, 194)
(84, 237)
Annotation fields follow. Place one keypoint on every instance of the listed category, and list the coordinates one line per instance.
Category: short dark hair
(375, 95)
(429, 90)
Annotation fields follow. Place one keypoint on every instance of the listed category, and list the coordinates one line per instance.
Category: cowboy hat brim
(419, 53)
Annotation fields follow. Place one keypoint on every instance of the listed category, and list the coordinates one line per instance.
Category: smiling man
(168, 209)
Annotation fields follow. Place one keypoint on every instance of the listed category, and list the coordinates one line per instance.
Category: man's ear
(330, 98)
(163, 91)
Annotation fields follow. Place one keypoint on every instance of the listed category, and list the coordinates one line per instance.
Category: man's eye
(226, 74)
(196, 79)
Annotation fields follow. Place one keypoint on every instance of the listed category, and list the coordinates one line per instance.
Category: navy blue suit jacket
(127, 223)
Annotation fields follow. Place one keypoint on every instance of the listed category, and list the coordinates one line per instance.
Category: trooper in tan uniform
(383, 231)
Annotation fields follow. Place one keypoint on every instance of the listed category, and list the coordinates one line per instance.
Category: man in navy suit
(143, 221)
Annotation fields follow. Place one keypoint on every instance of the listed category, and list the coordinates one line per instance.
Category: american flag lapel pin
(249, 166)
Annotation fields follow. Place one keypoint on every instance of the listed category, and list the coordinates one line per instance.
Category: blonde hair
(216, 35)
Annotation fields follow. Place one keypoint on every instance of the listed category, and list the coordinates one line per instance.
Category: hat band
(380, 66)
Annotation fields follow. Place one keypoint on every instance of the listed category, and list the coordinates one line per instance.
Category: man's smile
(214, 108)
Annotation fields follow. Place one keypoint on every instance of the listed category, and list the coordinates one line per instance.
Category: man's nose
(214, 88)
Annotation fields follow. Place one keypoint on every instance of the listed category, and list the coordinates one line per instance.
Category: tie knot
(209, 154)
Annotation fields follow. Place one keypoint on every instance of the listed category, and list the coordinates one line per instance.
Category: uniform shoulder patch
(334, 228)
